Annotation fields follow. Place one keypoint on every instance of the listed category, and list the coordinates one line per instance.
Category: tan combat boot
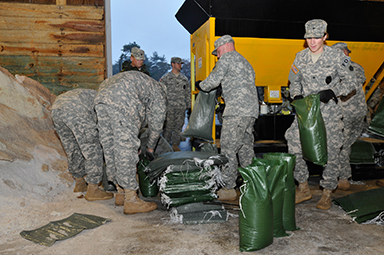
(80, 185)
(343, 184)
(175, 148)
(120, 196)
(133, 204)
(325, 200)
(95, 193)
(225, 194)
(302, 193)
(380, 183)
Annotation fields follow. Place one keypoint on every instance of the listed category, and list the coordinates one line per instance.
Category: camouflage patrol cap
(221, 41)
(341, 46)
(176, 60)
(138, 53)
(315, 28)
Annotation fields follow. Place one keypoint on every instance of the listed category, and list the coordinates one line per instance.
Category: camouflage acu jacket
(237, 78)
(138, 97)
(178, 90)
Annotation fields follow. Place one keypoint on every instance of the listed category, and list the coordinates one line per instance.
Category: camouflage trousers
(334, 142)
(120, 142)
(353, 126)
(236, 140)
(173, 124)
(80, 140)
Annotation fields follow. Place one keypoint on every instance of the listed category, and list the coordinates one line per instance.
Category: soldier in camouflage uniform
(75, 122)
(136, 63)
(354, 111)
(237, 78)
(124, 103)
(318, 69)
(178, 100)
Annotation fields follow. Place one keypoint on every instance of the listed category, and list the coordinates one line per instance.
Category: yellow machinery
(272, 58)
(270, 33)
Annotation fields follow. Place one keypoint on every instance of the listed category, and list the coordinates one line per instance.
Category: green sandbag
(289, 219)
(161, 163)
(364, 205)
(219, 216)
(199, 207)
(362, 152)
(377, 123)
(200, 122)
(276, 177)
(313, 136)
(256, 211)
(177, 201)
(162, 145)
(147, 188)
(63, 229)
(199, 213)
(186, 177)
(188, 189)
(187, 166)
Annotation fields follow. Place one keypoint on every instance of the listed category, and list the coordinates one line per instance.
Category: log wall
(61, 46)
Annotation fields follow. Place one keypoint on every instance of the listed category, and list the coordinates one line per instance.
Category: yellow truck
(269, 33)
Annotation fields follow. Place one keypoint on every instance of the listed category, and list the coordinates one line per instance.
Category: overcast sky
(152, 25)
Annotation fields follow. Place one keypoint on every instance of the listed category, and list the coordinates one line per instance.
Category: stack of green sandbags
(187, 183)
(182, 159)
(267, 200)
(199, 213)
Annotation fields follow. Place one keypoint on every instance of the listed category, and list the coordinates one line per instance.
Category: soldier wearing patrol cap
(354, 112)
(137, 62)
(320, 69)
(237, 78)
(178, 100)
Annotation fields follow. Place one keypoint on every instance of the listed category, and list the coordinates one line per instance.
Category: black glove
(326, 95)
(197, 85)
(149, 155)
(298, 97)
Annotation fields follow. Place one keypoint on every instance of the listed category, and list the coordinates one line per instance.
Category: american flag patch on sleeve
(294, 69)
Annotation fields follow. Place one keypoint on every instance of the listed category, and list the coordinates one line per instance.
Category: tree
(186, 69)
(158, 66)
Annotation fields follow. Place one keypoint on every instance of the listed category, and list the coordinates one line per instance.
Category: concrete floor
(321, 232)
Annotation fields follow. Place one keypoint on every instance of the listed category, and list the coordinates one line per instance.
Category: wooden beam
(37, 37)
(51, 11)
(58, 25)
(52, 50)
(61, 2)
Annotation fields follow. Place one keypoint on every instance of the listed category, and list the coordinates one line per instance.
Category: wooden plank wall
(62, 46)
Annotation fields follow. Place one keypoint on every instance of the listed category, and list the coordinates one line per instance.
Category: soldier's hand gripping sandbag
(201, 120)
(313, 137)
(326, 95)
(298, 97)
(197, 85)
(149, 155)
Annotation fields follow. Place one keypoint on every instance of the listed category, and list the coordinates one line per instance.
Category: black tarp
(348, 20)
